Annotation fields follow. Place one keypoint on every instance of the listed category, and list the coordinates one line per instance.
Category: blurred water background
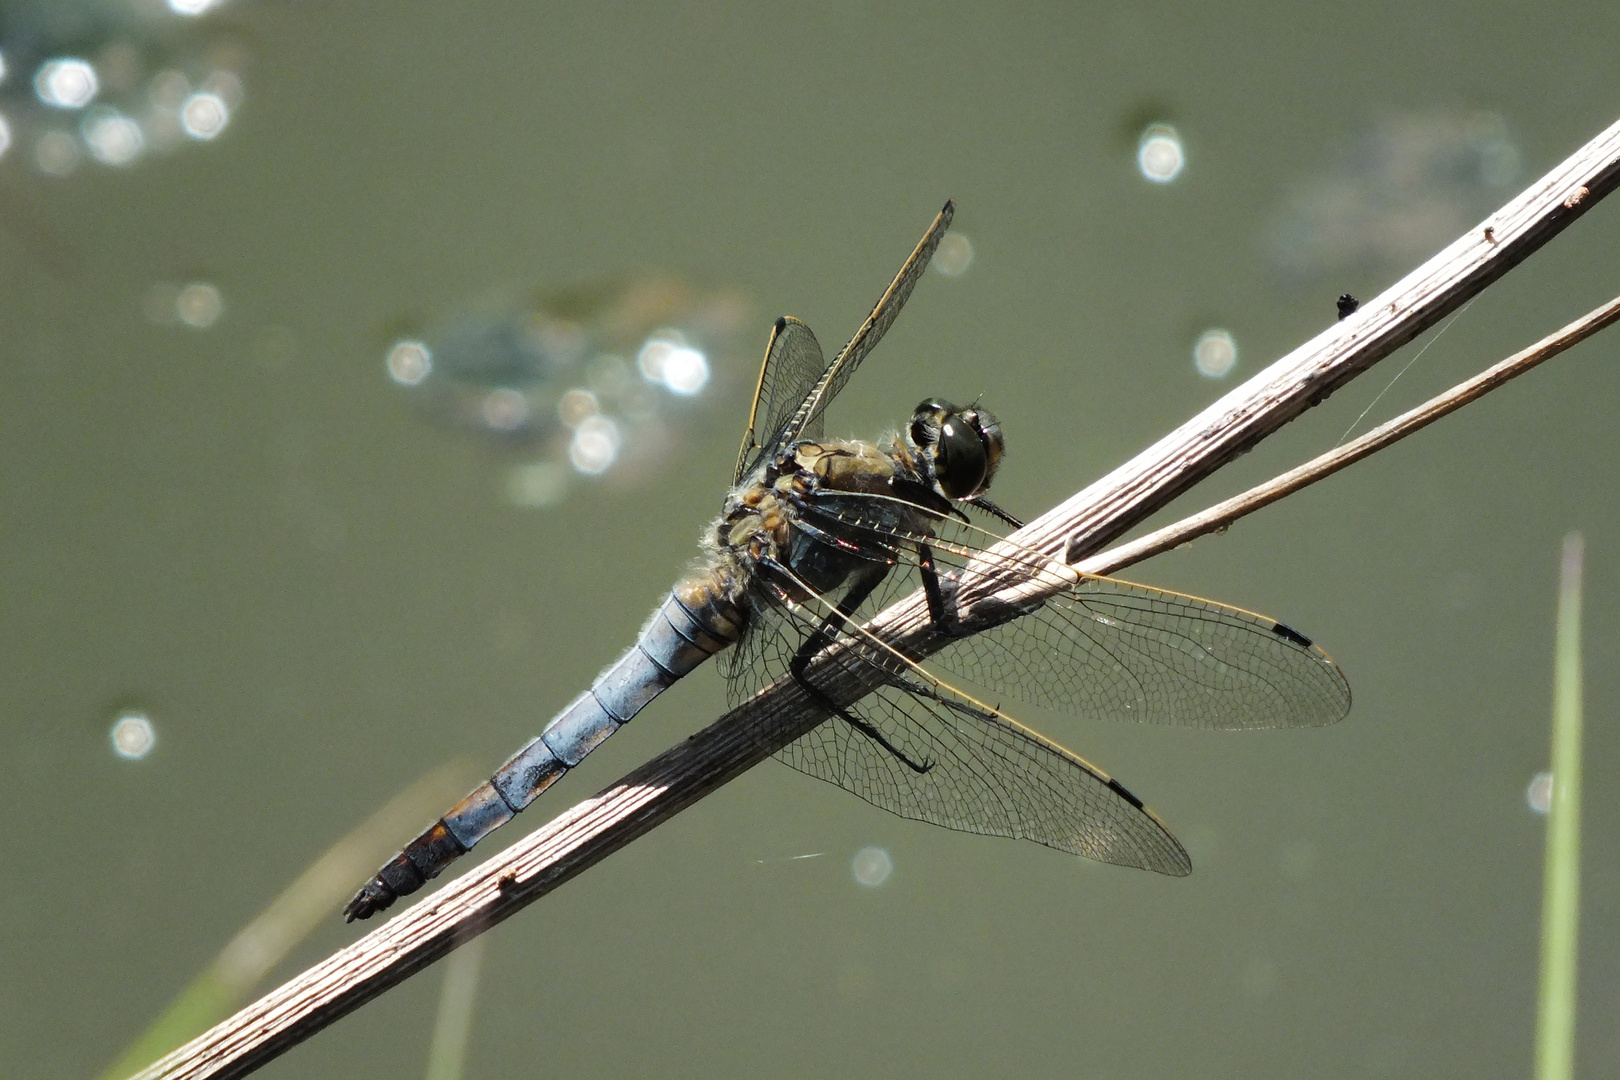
(368, 371)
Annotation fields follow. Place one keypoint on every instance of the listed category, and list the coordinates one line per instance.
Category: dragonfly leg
(940, 590)
(824, 635)
(876, 736)
(991, 508)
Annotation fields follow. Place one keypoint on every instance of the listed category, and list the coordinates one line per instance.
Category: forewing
(793, 364)
(1122, 651)
(1103, 647)
(806, 421)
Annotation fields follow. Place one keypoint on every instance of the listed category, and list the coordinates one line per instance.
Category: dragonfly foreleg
(995, 511)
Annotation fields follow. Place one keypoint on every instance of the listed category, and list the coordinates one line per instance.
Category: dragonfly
(815, 535)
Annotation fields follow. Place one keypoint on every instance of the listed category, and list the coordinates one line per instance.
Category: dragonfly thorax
(786, 529)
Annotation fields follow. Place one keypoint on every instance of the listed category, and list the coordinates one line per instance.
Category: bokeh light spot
(132, 736)
(1159, 154)
(66, 83)
(5, 135)
(199, 305)
(652, 356)
(1539, 793)
(576, 406)
(872, 866)
(113, 138)
(204, 116)
(56, 153)
(686, 371)
(1215, 354)
(954, 255)
(538, 485)
(667, 360)
(409, 362)
(595, 446)
(505, 409)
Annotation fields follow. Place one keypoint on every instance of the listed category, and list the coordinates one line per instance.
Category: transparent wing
(796, 385)
(1103, 647)
(793, 364)
(948, 760)
(806, 420)
(1123, 651)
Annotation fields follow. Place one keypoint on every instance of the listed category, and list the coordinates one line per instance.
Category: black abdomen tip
(375, 897)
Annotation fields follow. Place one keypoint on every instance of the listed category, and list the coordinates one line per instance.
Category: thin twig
(1223, 514)
(747, 735)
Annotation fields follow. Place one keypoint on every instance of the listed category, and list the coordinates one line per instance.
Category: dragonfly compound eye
(985, 423)
(961, 459)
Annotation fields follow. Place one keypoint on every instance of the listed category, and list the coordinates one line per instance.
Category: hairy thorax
(761, 544)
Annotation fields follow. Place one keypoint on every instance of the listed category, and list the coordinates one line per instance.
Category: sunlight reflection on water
(589, 382)
(115, 81)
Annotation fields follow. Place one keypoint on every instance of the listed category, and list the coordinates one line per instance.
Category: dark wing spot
(1119, 789)
(1288, 633)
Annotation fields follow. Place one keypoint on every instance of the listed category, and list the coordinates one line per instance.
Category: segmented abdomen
(697, 620)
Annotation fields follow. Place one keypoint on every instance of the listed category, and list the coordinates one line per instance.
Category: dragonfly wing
(758, 659)
(793, 364)
(1108, 648)
(984, 773)
(1123, 651)
(806, 419)
(796, 385)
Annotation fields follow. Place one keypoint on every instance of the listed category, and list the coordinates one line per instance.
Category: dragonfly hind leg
(824, 635)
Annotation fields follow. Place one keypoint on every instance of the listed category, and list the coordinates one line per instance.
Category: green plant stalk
(447, 1054)
(318, 892)
(1560, 904)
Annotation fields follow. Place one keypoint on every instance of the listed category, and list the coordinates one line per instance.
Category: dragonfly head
(957, 448)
